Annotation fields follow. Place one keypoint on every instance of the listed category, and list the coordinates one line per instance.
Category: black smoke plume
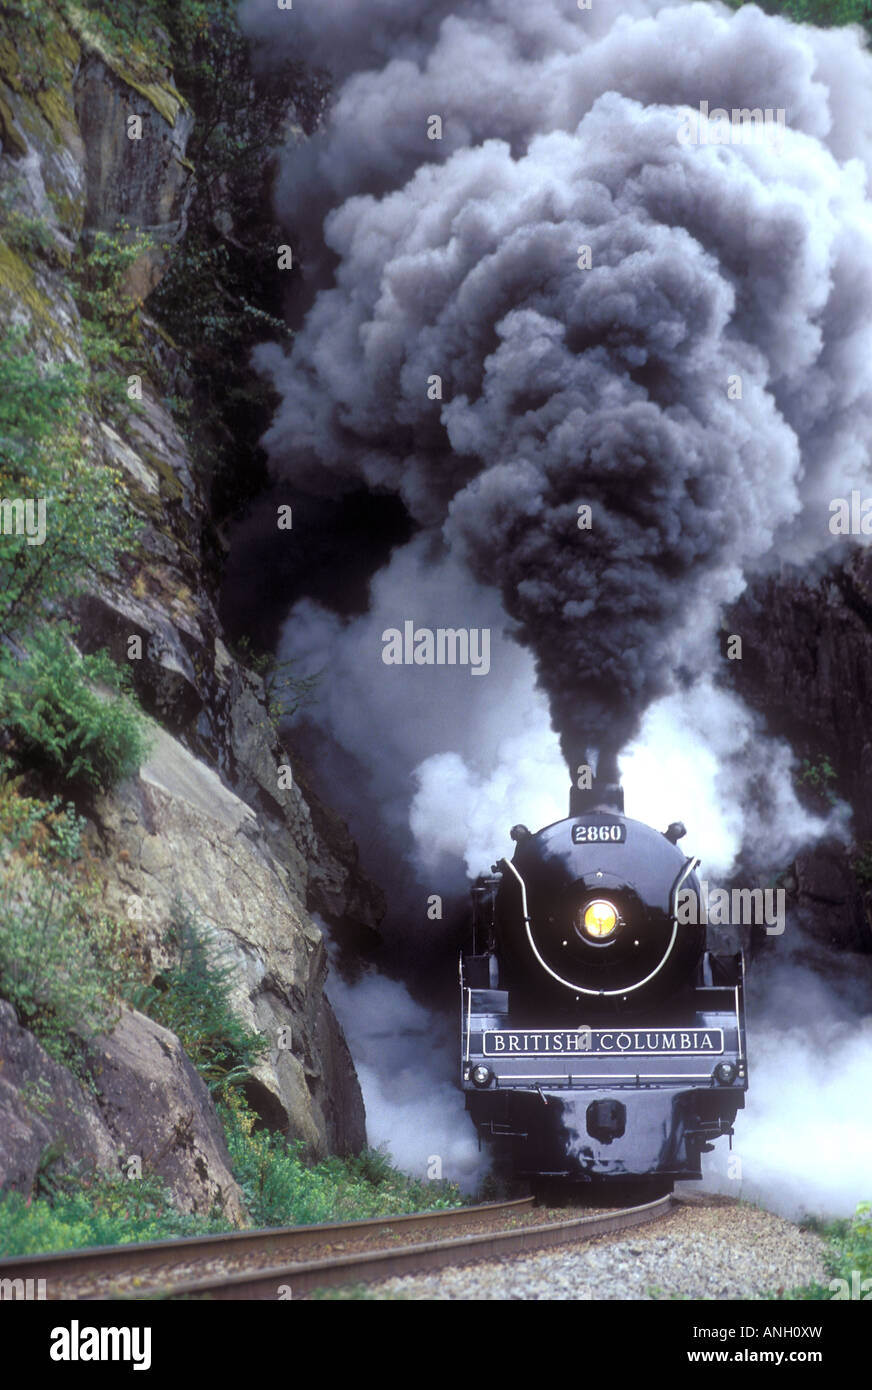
(703, 386)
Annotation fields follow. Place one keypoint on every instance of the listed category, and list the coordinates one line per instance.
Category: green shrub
(61, 957)
(95, 1211)
(819, 778)
(281, 1190)
(849, 1258)
(30, 236)
(110, 326)
(193, 1000)
(42, 456)
(852, 1249)
(57, 723)
(286, 692)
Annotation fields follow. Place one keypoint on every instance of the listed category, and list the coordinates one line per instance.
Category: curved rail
(277, 1242)
(299, 1279)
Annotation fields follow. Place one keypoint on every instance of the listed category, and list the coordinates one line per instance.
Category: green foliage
(111, 333)
(35, 29)
(95, 1211)
(28, 236)
(127, 28)
(862, 864)
(819, 778)
(42, 456)
(60, 956)
(56, 721)
(99, 275)
(852, 1246)
(848, 1258)
(193, 1000)
(281, 1190)
(824, 14)
(286, 692)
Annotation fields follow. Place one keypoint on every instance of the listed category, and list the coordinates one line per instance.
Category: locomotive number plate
(632, 1042)
(614, 834)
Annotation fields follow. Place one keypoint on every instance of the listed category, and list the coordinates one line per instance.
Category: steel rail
(274, 1241)
(293, 1281)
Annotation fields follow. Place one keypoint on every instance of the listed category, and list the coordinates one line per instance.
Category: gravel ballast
(709, 1248)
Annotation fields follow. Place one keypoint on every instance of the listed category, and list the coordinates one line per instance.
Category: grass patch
(848, 1259)
(282, 1190)
(95, 1211)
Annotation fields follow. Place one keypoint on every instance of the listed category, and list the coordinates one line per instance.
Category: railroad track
(71, 1268)
(277, 1267)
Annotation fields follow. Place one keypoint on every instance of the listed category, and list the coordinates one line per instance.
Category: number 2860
(598, 834)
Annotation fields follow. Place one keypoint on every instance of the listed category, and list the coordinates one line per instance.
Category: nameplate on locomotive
(625, 1042)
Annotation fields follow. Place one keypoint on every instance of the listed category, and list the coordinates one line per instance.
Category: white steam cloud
(697, 760)
(413, 1107)
(804, 1141)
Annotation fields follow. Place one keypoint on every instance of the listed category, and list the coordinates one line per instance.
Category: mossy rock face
(68, 209)
(58, 147)
(13, 143)
(10, 65)
(24, 300)
(139, 181)
(57, 108)
(66, 90)
(170, 486)
(136, 65)
(37, 113)
(40, 67)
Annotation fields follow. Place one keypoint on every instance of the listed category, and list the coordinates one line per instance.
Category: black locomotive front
(600, 1039)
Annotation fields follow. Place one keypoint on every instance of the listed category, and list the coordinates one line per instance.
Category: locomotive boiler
(601, 1040)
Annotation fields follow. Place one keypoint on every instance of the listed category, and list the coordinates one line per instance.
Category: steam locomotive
(601, 1040)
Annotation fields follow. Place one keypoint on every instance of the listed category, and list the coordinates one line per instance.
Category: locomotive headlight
(481, 1076)
(725, 1072)
(600, 920)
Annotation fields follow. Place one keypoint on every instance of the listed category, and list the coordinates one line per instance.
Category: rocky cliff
(95, 138)
(807, 667)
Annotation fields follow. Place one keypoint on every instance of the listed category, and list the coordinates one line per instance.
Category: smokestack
(606, 792)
